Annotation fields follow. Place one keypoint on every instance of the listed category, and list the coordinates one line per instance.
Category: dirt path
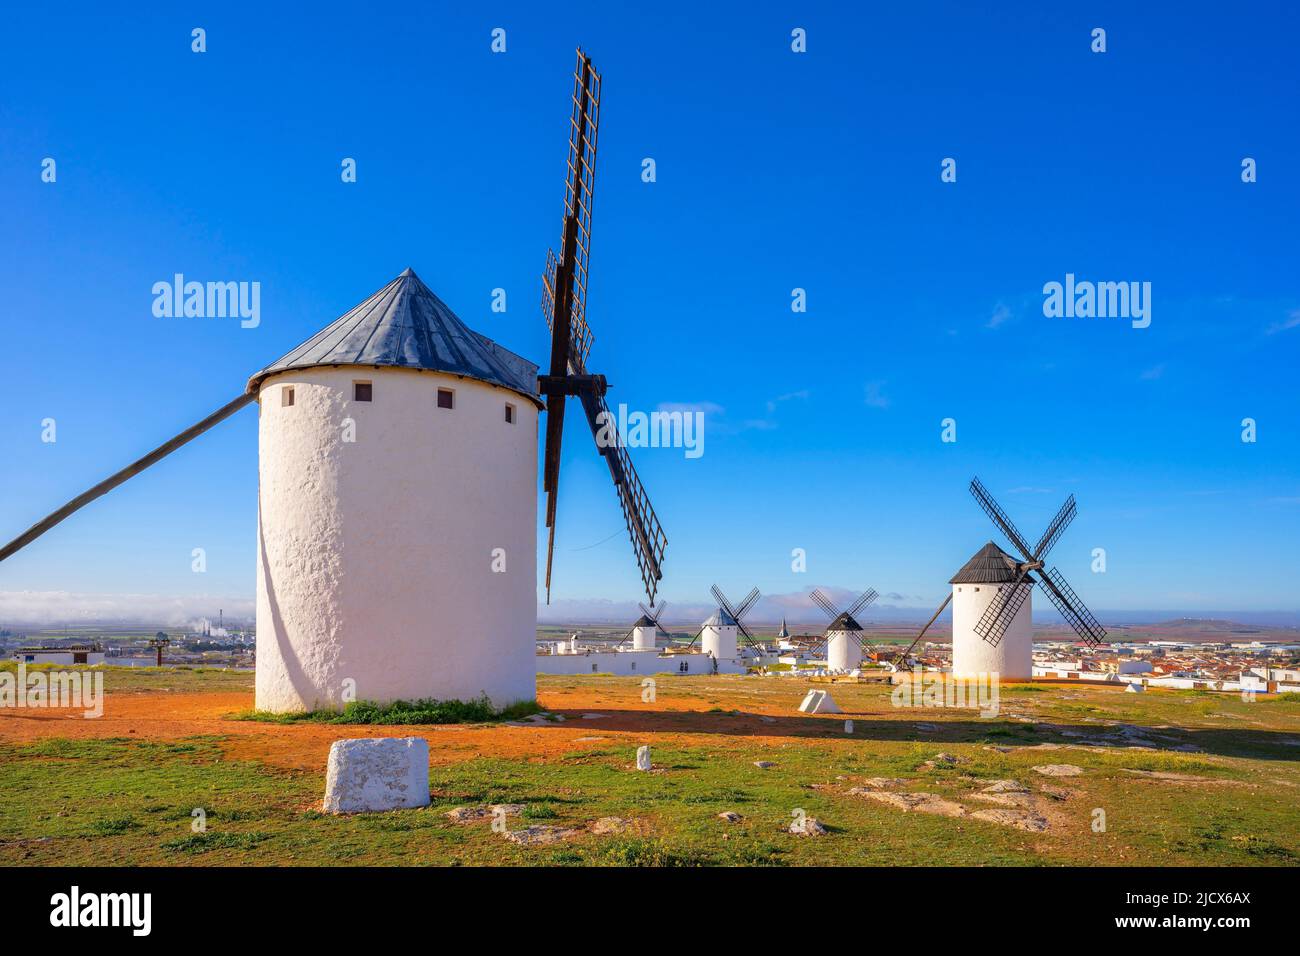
(624, 721)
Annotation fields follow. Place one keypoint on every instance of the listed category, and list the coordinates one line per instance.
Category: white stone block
(376, 774)
(819, 702)
(643, 758)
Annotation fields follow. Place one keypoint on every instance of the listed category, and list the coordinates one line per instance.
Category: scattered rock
(1166, 775)
(946, 758)
(807, 826)
(763, 764)
(539, 835)
(731, 816)
(848, 726)
(1056, 793)
(643, 758)
(1020, 819)
(593, 716)
(767, 720)
(1001, 750)
(884, 783)
(1058, 770)
(611, 825)
(920, 802)
(1006, 786)
(470, 814)
(927, 726)
(1022, 800)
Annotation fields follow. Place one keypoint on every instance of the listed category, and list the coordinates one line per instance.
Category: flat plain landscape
(1063, 775)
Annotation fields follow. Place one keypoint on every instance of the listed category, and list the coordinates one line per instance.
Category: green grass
(425, 711)
(127, 801)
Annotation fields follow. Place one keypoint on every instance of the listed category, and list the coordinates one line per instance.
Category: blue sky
(775, 170)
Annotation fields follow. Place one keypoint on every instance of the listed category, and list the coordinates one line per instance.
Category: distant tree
(161, 636)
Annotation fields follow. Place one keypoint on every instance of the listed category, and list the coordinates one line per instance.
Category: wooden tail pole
(934, 618)
(108, 484)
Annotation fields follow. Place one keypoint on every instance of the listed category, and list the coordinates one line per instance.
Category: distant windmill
(391, 444)
(992, 630)
(646, 628)
(717, 635)
(843, 640)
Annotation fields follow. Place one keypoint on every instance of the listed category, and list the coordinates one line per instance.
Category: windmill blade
(564, 283)
(1055, 529)
(658, 616)
(131, 470)
(625, 636)
(750, 599)
(1072, 609)
(654, 615)
(824, 603)
(753, 641)
(722, 600)
(551, 476)
(695, 638)
(934, 617)
(865, 600)
(566, 278)
(1002, 610)
(1000, 517)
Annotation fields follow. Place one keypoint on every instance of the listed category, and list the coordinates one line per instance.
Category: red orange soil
(625, 720)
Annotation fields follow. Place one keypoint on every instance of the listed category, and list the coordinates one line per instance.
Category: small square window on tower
(362, 391)
(446, 398)
(510, 413)
(286, 396)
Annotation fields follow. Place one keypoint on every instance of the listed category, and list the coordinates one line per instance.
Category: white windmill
(397, 498)
(992, 631)
(718, 634)
(843, 641)
(647, 627)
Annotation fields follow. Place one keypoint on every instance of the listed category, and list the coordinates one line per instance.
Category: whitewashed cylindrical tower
(973, 588)
(643, 634)
(718, 636)
(397, 512)
(843, 650)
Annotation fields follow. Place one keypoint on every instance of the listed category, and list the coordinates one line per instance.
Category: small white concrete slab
(375, 774)
(643, 758)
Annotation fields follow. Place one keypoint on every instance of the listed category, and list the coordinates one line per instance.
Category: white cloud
(1290, 322)
(708, 408)
(1153, 373)
(801, 395)
(1000, 315)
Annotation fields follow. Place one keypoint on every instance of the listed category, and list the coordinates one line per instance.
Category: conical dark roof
(990, 565)
(644, 621)
(404, 325)
(844, 622)
(720, 618)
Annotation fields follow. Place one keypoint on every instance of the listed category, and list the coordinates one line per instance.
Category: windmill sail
(564, 302)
